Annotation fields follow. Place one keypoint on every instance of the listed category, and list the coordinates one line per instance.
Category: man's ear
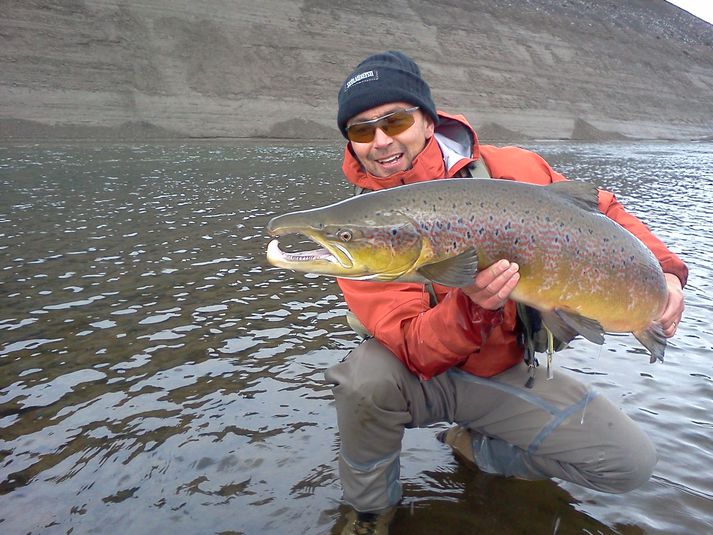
(430, 126)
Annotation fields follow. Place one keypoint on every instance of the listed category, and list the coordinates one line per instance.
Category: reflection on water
(156, 374)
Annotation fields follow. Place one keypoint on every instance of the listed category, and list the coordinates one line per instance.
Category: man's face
(385, 155)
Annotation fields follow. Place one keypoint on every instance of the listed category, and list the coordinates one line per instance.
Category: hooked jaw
(320, 260)
(372, 251)
(330, 259)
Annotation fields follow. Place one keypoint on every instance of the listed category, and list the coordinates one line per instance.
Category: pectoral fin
(567, 325)
(653, 340)
(457, 271)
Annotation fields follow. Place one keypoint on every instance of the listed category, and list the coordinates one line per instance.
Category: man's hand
(671, 316)
(492, 286)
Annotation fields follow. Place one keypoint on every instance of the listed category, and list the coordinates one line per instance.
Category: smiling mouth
(390, 160)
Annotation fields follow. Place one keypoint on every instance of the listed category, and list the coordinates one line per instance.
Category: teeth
(390, 160)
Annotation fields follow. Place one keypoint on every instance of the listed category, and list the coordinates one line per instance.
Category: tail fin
(653, 340)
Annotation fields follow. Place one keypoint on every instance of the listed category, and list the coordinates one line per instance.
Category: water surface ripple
(156, 374)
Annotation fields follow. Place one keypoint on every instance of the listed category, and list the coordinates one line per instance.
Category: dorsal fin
(583, 194)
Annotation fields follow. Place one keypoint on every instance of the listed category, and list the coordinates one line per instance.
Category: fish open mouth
(314, 258)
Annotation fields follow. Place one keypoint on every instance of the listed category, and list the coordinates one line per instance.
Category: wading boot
(460, 441)
(369, 523)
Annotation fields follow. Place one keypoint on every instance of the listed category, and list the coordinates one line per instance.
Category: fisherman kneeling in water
(456, 355)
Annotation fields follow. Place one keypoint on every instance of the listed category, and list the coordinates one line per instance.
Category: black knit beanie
(379, 79)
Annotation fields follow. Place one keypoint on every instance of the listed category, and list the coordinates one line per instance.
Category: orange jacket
(456, 332)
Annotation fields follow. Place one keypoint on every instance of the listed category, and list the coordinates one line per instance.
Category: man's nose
(381, 138)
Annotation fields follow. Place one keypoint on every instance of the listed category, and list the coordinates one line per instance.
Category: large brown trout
(582, 271)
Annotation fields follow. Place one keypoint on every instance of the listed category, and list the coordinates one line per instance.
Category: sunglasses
(392, 124)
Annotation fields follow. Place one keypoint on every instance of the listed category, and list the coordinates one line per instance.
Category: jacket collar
(453, 146)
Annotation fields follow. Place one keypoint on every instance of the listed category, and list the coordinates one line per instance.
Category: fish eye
(345, 235)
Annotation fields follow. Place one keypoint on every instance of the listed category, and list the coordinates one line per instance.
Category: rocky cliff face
(210, 68)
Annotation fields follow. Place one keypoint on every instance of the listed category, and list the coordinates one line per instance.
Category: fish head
(378, 245)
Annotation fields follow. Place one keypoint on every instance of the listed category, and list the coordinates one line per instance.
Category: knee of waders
(371, 374)
(629, 468)
(643, 459)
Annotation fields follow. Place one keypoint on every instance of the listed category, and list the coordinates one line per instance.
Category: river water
(156, 376)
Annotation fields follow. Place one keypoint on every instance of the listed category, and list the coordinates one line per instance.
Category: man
(457, 356)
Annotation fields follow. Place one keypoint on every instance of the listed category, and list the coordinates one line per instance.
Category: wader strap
(356, 325)
(433, 299)
(527, 324)
(478, 169)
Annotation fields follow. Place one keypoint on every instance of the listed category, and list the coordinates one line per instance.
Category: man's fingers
(492, 278)
(492, 286)
(498, 299)
(675, 305)
(669, 331)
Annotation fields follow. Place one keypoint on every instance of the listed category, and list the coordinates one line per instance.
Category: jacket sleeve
(427, 340)
(669, 261)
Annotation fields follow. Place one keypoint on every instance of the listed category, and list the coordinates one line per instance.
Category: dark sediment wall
(163, 68)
